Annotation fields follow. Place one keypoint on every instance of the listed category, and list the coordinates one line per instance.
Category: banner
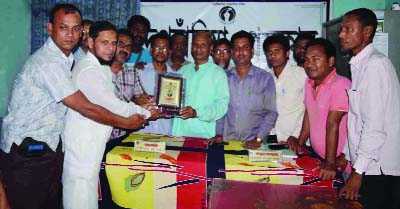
(225, 18)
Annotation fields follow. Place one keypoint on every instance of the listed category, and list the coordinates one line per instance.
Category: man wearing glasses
(31, 154)
(159, 51)
(299, 47)
(221, 53)
(83, 44)
(125, 77)
(252, 106)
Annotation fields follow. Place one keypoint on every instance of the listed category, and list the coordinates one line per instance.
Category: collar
(53, 47)
(327, 80)
(285, 72)
(93, 58)
(252, 71)
(360, 57)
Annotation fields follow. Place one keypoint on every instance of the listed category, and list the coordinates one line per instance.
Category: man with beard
(125, 77)
(252, 106)
(206, 93)
(299, 47)
(159, 50)
(83, 44)
(85, 140)
(36, 116)
(179, 46)
(221, 53)
(139, 27)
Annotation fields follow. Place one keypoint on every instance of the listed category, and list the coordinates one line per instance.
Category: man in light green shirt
(207, 92)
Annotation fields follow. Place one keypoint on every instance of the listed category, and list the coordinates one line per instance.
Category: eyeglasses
(121, 44)
(222, 52)
(160, 49)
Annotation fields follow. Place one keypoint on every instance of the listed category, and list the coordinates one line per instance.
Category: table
(179, 177)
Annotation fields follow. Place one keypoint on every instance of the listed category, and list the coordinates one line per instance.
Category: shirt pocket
(354, 97)
(256, 101)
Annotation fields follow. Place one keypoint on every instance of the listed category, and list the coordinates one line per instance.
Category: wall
(15, 36)
(340, 7)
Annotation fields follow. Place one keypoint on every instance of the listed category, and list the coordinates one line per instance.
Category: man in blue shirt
(252, 107)
(139, 27)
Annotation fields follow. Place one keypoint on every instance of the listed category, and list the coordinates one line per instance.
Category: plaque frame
(169, 99)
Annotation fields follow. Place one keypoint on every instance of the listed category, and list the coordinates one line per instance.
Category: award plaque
(169, 93)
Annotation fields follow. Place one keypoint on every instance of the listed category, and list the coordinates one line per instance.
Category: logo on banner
(227, 15)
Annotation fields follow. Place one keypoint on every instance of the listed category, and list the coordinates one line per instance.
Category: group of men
(110, 90)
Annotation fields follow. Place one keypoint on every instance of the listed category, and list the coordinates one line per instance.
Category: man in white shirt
(374, 117)
(36, 116)
(85, 140)
(289, 85)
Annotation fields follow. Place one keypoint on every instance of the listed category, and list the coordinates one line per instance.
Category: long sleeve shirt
(374, 115)
(208, 93)
(289, 102)
(252, 107)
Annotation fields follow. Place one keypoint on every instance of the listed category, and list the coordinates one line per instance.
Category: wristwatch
(258, 139)
(357, 171)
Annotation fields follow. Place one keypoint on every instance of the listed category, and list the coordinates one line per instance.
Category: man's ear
(91, 43)
(287, 54)
(368, 30)
(331, 61)
(50, 28)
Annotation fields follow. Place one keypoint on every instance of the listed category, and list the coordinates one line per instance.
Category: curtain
(116, 11)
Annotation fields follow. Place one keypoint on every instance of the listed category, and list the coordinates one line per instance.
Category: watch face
(258, 139)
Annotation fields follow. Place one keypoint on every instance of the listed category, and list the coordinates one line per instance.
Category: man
(179, 47)
(289, 84)
(326, 103)
(374, 116)
(299, 47)
(125, 77)
(84, 147)
(36, 114)
(252, 106)
(221, 53)
(83, 45)
(159, 51)
(139, 27)
(206, 94)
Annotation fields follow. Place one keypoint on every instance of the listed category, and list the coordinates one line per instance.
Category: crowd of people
(91, 83)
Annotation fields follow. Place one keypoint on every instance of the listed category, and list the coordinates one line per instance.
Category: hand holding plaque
(169, 93)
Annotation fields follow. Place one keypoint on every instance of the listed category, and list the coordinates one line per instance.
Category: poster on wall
(223, 19)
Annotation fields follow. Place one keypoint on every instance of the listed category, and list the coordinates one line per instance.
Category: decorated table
(180, 175)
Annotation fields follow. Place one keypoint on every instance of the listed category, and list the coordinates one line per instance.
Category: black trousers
(380, 191)
(33, 183)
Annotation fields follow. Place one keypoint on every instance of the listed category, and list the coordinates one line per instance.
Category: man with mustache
(125, 77)
(85, 139)
(299, 47)
(221, 53)
(252, 106)
(179, 47)
(139, 27)
(31, 152)
(289, 82)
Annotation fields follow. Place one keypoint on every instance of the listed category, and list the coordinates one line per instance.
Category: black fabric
(35, 182)
(380, 191)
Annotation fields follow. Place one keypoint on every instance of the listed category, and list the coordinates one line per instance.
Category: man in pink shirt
(326, 104)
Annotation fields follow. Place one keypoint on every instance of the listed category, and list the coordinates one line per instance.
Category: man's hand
(351, 189)
(341, 162)
(327, 171)
(253, 144)
(293, 144)
(188, 112)
(143, 99)
(215, 139)
(140, 65)
(154, 114)
(136, 121)
(176, 66)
